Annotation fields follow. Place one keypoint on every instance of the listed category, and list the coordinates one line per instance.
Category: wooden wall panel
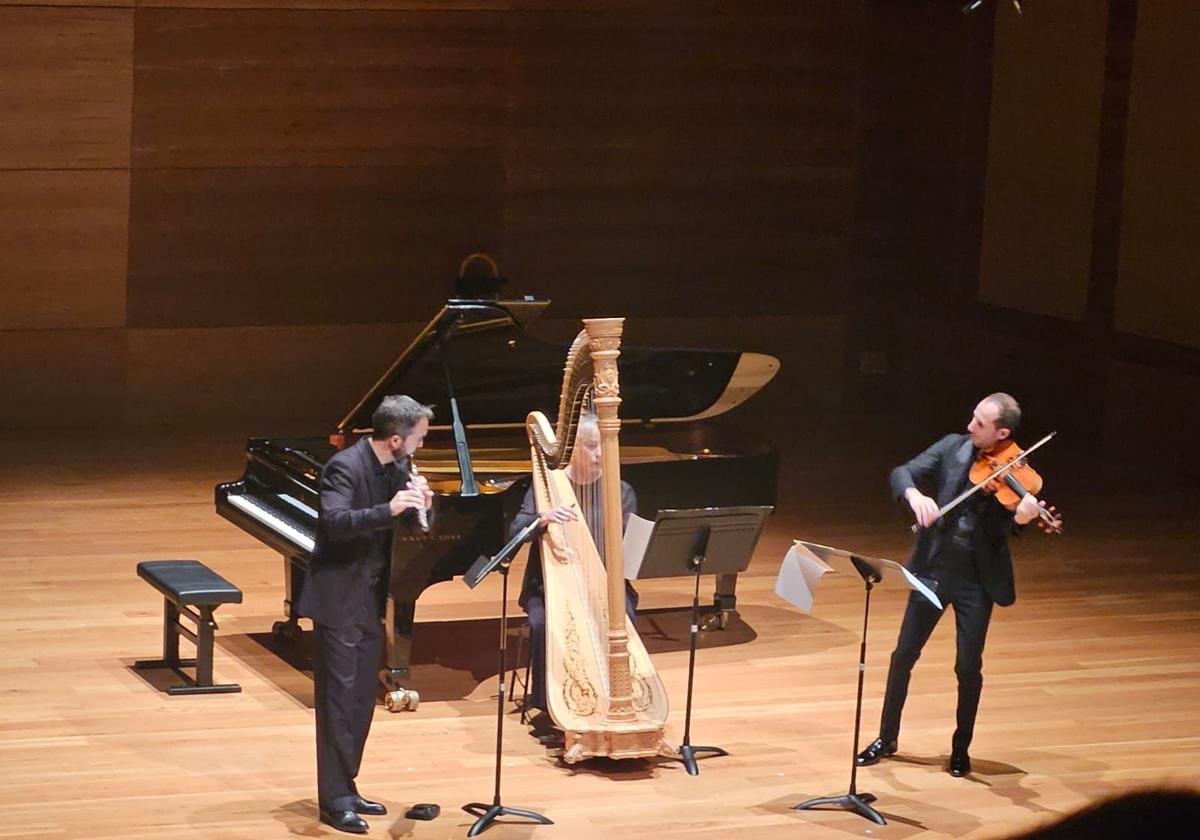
(67, 87)
(1048, 84)
(683, 161)
(1158, 293)
(1148, 412)
(334, 5)
(65, 234)
(107, 4)
(286, 88)
(227, 247)
(925, 66)
(271, 380)
(62, 379)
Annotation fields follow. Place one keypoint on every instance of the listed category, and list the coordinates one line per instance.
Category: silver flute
(422, 511)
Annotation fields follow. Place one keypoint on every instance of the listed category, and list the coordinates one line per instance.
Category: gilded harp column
(604, 336)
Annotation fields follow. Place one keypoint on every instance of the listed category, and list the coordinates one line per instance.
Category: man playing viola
(966, 553)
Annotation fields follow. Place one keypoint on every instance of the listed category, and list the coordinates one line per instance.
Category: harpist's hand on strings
(560, 514)
(923, 507)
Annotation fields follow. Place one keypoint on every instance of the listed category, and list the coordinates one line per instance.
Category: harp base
(633, 741)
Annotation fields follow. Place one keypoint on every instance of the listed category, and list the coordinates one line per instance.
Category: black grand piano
(483, 373)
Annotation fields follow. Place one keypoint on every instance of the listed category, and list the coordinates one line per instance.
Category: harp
(601, 688)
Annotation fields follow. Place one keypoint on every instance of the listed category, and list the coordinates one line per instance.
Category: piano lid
(500, 373)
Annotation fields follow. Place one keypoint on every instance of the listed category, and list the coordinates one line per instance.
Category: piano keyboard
(281, 526)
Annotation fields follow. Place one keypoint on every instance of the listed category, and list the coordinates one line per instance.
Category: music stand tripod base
(488, 813)
(687, 754)
(856, 802)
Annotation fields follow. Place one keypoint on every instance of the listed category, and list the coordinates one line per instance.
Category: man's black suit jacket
(940, 472)
(354, 537)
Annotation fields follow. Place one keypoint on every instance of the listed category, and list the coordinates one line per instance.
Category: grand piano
(476, 363)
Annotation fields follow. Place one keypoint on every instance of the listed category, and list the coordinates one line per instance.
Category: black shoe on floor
(371, 809)
(960, 764)
(876, 750)
(347, 821)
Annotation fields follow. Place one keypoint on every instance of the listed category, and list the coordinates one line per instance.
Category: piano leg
(293, 582)
(724, 602)
(396, 677)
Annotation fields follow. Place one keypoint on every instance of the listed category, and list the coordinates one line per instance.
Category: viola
(1006, 474)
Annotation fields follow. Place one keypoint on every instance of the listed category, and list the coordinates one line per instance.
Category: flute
(422, 512)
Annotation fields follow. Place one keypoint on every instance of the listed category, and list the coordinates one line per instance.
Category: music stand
(873, 571)
(481, 569)
(694, 542)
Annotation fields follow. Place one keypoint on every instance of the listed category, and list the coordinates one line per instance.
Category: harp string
(590, 581)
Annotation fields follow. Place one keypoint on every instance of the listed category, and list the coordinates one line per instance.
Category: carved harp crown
(601, 688)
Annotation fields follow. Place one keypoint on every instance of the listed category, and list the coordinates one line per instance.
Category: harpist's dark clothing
(967, 554)
(532, 598)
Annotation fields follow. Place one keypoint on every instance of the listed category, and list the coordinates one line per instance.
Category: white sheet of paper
(633, 546)
(838, 562)
(915, 583)
(799, 575)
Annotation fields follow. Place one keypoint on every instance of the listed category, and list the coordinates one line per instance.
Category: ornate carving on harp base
(578, 692)
(644, 741)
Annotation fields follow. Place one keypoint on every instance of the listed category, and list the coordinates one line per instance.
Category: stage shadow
(667, 630)
(159, 679)
(839, 819)
(301, 818)
(451, 658)
(613, 770)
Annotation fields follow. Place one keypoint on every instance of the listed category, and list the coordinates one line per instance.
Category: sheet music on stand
(806, 563)
(731, 534)
(633, 547)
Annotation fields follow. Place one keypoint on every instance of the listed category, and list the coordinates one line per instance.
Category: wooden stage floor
(1092, 678)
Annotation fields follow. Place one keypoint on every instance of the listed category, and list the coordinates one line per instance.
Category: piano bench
(192, 590)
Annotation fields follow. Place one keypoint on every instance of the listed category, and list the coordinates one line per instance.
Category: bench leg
(170, 655)
(203, 683)
(204, 638)
(170, 645)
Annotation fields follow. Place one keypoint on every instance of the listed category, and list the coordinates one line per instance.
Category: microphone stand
(488, 813)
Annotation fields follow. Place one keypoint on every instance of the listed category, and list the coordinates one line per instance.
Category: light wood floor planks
(1092, 678)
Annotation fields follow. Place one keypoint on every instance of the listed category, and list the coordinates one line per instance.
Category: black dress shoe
(347, 821)
(876, 750)
(960, 764)
(371, 809)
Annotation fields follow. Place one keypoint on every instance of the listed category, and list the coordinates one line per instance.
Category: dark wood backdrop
(216, 212)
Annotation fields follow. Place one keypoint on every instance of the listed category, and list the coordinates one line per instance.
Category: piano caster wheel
(402, 700)
(289, 631)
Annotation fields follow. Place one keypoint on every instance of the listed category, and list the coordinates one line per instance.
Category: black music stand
(694, 542)
(873, 571)
(482, 567)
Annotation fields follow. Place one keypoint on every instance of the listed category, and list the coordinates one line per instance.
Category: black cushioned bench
(188, 586)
